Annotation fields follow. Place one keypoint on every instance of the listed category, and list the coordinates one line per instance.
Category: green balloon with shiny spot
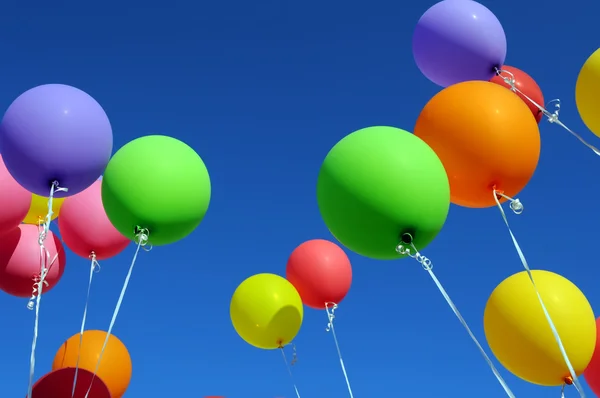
(378, 184)
(157, 183)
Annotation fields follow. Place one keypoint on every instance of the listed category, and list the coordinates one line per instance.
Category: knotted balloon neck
(569, 381)
(553, 117)
(515, 204)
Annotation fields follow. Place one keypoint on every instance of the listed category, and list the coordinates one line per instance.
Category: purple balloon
(56, 133)
(457, 41)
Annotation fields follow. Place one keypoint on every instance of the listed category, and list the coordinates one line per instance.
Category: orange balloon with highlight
(486, 139)
(115, 367)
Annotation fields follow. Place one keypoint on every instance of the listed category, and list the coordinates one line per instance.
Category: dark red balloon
(527, 86)
(59, 384)
(592, 372)
(321, 273)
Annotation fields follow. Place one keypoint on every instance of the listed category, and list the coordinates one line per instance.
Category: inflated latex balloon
(159, 184)
(39, 209)
(14, 201)
(115, 367)
(592, 372)
(587, 93)
(59, 384)
(86, 229)
(528, 89)
(266, 311)
(378, 184)
(20, 261)
(458, 40)
(485, 137)
(520, 336)
(55, 133)
(321, 273)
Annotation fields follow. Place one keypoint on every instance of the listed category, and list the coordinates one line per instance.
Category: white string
(142, 241)
(405, 249)
(289, 369)
(94, 267)
(509, 79)
(40, 281)
(562, 390)
(331, 328)
(517, 207)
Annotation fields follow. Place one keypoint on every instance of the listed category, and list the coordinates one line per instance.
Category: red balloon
(85, 227)
(321, 272)
(20, 260)
(592, 372)
(527, 86)
(59, 384)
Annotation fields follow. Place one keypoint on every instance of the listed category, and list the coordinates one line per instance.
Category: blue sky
(262, 91)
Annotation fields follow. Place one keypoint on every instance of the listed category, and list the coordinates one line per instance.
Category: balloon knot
(568, 380)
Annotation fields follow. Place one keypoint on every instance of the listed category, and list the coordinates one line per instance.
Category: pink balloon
(14, 201)
(85, 228)
(20, 260)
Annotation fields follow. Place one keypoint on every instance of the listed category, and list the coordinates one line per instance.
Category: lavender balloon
(457, 41)
(56, 133)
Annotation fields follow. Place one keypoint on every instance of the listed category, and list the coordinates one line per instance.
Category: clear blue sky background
(262, 90)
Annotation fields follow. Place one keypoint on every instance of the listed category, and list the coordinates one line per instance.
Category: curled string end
(408, 248)
(142, 236)
(515, 204)
(330, 308)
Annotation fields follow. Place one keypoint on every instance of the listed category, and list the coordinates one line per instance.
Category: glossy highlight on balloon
(485, 137)
(520, 337)
(20, 261)
(321, 273)
(115, 368)
(86, 229)
(371, 190)
(55, 132)
(156, 183)
(39, 209)
(529, 91)
(457, 41)
(266, 311)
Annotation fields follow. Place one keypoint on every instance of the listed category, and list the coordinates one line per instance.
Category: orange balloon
(115, 366)
(485, 137)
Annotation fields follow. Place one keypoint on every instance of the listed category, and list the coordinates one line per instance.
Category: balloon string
(562, 390)
(509, 79)
(94, 267)
(330, 328)
(517, 208)
(40, 280)
(289, 369)
(142, 243)
(407, 247)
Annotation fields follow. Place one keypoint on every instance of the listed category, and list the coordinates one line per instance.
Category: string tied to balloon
(408, 248)
(39, 281)
(289, 364)
(553, 117)
(94, 268)
(330, 310)
(142, 236)
(568, 382)
(572, 378)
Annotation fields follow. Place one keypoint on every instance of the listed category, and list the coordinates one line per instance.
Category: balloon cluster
(56, 163)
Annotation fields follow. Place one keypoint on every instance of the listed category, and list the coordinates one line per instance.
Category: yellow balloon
(521, 338)
(39, 208)
(266, 311)
(587, 93)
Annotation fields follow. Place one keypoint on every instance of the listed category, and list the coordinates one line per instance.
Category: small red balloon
(527, 86)
(20, 260)
(59, 384)
(320, 271)
(592, 372)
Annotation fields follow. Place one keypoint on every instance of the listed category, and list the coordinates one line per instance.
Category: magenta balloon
(85, 228)
(20, 260)
(457, 41)
(55, 132)
(14, 201)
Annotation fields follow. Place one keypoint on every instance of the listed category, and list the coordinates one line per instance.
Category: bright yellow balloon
(587, 93)
(39, 209)
(521, 338)
(266, 311)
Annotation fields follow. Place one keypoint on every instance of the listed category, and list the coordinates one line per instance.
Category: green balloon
(156, 183)
(379, 183)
